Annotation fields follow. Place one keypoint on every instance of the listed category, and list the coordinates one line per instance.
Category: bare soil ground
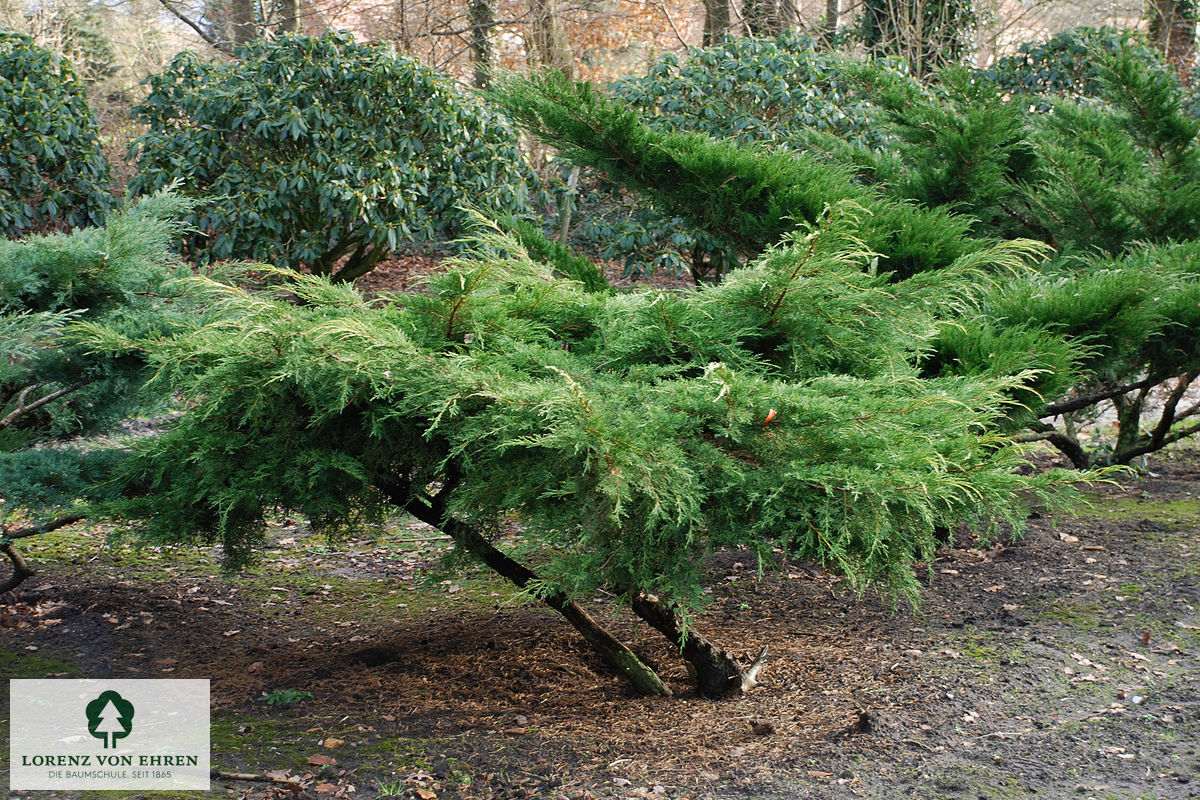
(1064, 665)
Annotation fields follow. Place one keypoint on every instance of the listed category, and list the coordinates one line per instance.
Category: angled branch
(615, 653)
(21, 570)
(26, 531)
(1083, 401)
(223, 46)
(24, 408)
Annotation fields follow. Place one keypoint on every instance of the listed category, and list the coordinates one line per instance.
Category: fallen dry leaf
(322, 760)
(326, 788)
(333, 743)
(426, 794)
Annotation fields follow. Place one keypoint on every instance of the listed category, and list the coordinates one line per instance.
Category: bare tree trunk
(829, 22)
(243, 26)
(289, 16)
(401, 14)
(716, 672)
(548, 43)
(1173, 31)
(483, 20)
(716, 21)
(768, 17)
(614, 652)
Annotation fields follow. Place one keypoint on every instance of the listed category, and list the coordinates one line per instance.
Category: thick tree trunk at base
(716, 21)
(644, 679)
(716, 673)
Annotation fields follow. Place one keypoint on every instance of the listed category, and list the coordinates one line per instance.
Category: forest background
(116, 44)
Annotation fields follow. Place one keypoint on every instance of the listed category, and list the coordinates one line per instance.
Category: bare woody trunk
(716, 21)
(483, 20)
(829, 22)
(289, 16)
(614, 653)
(242, 24)
(715, 672)
(548, 46)
(769, 17)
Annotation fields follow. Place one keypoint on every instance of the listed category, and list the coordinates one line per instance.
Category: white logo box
(109, 734)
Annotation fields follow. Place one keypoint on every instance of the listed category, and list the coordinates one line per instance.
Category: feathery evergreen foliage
(1097, 179)
(748, 198)
(53, 388)
(310, 150)
(52, 170)
(748, 90)
(631, 433)
(1111, 181)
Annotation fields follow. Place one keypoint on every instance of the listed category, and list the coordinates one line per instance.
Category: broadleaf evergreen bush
(52, 171)
(323, 152)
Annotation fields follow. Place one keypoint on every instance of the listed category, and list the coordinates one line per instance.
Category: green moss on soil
(26, 664)
(1171, 514)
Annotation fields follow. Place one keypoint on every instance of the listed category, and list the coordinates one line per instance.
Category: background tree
(717, 21)
(322, 152)
(548, 44)
(1173, 31)
(483, 54)
(926, 34)
(769, 17)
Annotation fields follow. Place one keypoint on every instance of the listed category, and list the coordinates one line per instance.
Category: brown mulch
(404, 273)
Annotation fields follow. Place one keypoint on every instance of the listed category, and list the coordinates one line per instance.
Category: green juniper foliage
(748, 198)
(747, 90)
(1097, 180)
(52, 171)
(1112, 182)
(311, 150)
(53, 388)
(632, 434)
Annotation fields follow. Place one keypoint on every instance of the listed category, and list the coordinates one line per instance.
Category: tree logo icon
(110, 717)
